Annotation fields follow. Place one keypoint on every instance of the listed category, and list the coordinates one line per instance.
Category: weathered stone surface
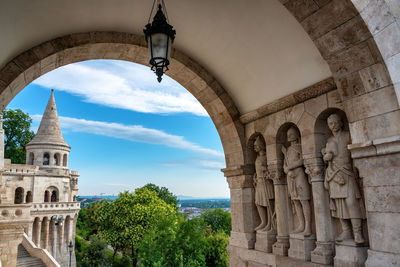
(350, 85)
(384, 231)
(377, 258)
(301, 8)
(393, 65)
(388, 40)
(383, 198)
(301, 247)
(368, 105)
(374, 77)
(348, 255)
(328, 17)
(351, 32)
(264, 241)
(377, 16)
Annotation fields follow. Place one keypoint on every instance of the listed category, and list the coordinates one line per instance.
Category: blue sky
(126, 129)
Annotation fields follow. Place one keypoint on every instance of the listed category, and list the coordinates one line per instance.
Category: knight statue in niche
(264, 189)
(340, 180)
(298, 184)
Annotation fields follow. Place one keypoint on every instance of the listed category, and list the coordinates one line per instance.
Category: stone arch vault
(360, 41)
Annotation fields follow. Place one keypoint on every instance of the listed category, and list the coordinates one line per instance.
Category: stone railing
(12, 212)
(39, 253)
(21, 169)
(54, 206)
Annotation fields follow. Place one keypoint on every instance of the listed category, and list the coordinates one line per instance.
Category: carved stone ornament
(340, 181)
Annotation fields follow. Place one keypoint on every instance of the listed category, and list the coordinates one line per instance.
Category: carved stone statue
(264, 189)
(340, 180)
(298, 185)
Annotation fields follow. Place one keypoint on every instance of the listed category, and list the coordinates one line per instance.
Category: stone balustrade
(55, 206)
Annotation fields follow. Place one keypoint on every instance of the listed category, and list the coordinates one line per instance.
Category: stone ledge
(301, 96)
(377, 147)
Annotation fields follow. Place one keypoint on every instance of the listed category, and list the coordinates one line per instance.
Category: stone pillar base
(244, 240)
(323, 253)
(281, 246)
(377, 258)
(264, 241)
(350, 255)
(301, 246)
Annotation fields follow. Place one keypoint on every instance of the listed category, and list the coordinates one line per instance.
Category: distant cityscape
(191, 206)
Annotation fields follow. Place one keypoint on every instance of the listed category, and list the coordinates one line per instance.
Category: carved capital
(276, 174)
(316, 172)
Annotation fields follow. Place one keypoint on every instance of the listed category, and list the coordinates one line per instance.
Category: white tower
(48, 148)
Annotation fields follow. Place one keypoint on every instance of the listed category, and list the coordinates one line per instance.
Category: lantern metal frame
(159, 25)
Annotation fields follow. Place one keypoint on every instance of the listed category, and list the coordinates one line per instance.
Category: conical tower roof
(49, 132)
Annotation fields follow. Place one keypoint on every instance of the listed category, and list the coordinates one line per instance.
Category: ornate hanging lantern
(159, 36)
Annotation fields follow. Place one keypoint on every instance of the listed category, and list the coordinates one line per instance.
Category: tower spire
(49, 131)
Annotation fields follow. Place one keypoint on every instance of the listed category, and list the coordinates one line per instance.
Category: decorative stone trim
(301, 96)
(377, 147)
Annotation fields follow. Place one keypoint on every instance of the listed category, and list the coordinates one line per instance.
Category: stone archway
(129, 47)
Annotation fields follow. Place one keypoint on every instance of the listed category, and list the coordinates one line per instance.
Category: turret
(48, 148)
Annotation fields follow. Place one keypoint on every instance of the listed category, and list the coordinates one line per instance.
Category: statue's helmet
(293, 134)
(259, 142)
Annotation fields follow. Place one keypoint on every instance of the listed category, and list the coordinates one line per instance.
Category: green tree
(175, 241)
(95, 254)
(124, 221)
(17, 134)
(163, 193)
(215, 252)
(87, 224)
(218, 220)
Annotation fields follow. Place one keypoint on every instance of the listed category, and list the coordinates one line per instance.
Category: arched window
(31, 158)
(54, 196)
(19, 195)
(57, 159)
(29, 197)
(46, 196)
(46, 159)
(65, 160)
(74, 198)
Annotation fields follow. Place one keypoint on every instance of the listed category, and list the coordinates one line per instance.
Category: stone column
(243, 210)
(60, 237)
(324, 251)
(281, 208)
(45, 234)
(38, 231)
(378, 163)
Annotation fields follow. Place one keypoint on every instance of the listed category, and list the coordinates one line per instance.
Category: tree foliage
(17, 134)
(95, 254)
(124, 221)
(163, 193)
(218, 220)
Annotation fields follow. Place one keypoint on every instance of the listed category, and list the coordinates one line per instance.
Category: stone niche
(302, 150)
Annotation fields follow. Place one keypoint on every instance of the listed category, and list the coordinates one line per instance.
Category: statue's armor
(298, 186)
(263, 186)
(346, 202)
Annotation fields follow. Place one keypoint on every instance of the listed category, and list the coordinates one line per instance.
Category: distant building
(42, 195)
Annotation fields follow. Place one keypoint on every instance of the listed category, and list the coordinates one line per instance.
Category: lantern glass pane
(159, 43)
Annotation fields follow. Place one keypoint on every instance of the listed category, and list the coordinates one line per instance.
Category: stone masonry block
(374, 77)
(351, 32)
(328, 17)
(388, 40)
(384, 231)
(301, 8)
(293, 114)
(377, 16)
(393, 65)
(374, 103)
(316, 105)
(353, 59)
(334, 100)
(394, 6)
(383, 198)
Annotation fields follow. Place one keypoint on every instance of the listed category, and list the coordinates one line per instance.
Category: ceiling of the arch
(256, 49)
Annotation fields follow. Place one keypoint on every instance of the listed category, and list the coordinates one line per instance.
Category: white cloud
(135, 133)
(122, 85)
